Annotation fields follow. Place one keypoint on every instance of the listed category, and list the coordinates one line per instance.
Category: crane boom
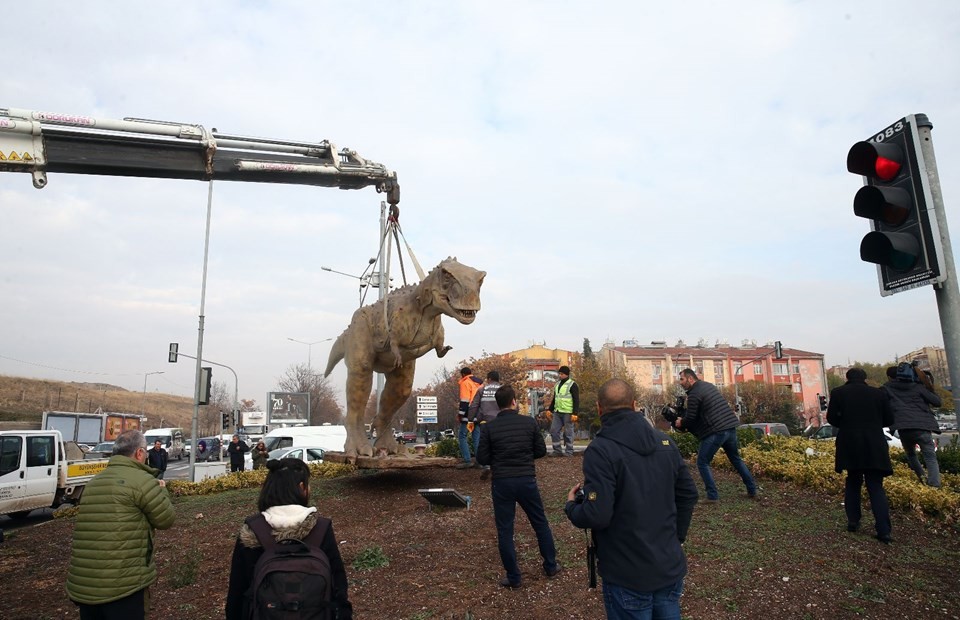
(41, 142)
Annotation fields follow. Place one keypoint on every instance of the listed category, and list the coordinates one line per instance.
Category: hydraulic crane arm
(42, 142)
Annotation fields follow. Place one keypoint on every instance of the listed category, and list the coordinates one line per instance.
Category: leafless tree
(324, 407)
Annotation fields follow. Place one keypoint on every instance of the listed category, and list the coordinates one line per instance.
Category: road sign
(426, 406)
(426, 419)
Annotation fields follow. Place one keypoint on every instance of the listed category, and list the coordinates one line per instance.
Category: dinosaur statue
(390, 341)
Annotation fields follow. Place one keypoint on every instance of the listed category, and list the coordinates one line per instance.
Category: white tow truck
(39, 470)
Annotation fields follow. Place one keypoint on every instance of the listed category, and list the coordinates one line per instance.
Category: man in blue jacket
(638, 498)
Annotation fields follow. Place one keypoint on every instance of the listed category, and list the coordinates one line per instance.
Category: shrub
(687, 443)
(949, 456)
(249, 479)
(444, 447)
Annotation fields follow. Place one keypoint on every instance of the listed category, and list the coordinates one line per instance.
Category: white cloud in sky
(619, 169)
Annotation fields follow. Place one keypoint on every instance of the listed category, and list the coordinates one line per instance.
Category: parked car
(407, 437)
(213, 449)
(102, 450)
(830, 433)
(768, 428)
(307, 454)
(447, 432)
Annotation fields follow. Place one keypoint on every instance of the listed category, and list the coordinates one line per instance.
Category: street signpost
(426, 409)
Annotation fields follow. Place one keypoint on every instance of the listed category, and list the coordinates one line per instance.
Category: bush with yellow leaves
(250, 479)
(811, 464)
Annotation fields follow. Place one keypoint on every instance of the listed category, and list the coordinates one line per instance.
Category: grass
(370, 558)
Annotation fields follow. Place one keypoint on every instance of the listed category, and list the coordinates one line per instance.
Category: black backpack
(292, 578)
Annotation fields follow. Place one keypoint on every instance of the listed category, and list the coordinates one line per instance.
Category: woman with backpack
(286, 556)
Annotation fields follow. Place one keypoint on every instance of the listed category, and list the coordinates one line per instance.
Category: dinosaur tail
(336, 354)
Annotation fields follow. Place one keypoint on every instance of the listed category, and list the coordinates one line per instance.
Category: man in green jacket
(111, 563)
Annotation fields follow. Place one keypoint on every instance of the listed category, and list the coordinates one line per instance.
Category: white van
(170, 438)
(329, 437)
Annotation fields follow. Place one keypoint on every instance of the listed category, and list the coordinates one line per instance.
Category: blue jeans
(506, 494)
(912, 438)
(462, 440)
(625, 604)
(708, 449)
(476, 437)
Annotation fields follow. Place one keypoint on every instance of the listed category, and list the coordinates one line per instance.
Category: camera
(578, 496)
(670, 413)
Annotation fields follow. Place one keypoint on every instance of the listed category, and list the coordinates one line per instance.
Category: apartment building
(657, 366)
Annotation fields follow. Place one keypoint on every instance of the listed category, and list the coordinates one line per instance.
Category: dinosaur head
(455, 290)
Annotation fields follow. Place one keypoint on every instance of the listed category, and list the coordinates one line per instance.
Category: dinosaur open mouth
(468, 314)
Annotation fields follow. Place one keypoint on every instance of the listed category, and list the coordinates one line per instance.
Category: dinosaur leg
(438, 342)
(396, 391)
(359, 381)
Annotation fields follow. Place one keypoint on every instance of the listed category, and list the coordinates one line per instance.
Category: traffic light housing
(904, 241)
(823, 402)
(224, 420)
(778, 350)
(206, 385)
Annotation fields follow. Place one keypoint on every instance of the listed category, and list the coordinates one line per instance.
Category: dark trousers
(878, 499)
(234, 466)
(131, 607)
(506, 494)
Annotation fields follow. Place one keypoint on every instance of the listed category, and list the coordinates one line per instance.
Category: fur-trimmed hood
(290, 522)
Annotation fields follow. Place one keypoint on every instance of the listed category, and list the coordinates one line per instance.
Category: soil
(786, 557)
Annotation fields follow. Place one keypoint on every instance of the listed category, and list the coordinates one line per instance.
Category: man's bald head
(615, 394)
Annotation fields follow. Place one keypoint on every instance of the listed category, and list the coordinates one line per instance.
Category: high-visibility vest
(562, 401)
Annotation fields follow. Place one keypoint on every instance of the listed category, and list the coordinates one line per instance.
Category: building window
(796, 369)
(780, 369)
(740, 369)
(796, 388)
(657, 369)
(698, 368)
(718, 371)
(758, 369)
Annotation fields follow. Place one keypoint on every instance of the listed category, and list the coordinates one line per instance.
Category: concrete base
(392, 462)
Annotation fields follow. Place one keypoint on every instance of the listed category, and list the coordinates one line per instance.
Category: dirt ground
(786, 557)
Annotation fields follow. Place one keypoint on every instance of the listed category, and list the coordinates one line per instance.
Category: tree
(763, 402)
(590, 374)
(324, 407)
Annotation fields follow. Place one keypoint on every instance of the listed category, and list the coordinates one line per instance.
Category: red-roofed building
(657, 367)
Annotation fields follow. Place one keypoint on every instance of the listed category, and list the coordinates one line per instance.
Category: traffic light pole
(736, 386)
(948, 292)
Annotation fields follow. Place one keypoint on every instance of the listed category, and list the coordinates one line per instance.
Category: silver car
(308, 454)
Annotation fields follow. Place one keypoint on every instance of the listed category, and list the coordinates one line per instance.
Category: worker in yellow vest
(566, 403)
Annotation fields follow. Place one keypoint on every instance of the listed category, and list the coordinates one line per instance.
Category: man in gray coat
(911, 396)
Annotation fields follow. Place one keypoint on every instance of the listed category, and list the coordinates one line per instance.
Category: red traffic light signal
(904, 241)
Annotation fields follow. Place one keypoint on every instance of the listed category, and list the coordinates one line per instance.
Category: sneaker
(506, 583)
(485, 473)
(464, 465)
(556, 454)
(755, 497)
(552, 573)
(709, 501)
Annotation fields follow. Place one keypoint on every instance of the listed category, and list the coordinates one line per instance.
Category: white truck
(39, 470)
(253, 424)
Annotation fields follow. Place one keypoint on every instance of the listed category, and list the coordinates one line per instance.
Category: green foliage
(185, 570)
(370, 558)
(747, 436)
(687, 443)
(949, 456)
(446, 447)
(249, 479)
(766, 403)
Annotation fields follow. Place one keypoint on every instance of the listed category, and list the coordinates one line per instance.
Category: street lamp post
(143, 401)
(309, 349)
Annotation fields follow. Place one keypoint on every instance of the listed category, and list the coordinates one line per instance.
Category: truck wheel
(20, 514)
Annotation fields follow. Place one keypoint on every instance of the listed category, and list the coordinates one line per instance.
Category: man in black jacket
(509, 444)
(157, 458)
(911, 395)
(860, 412)
(638, 497)
(237, 449)
(708, 416)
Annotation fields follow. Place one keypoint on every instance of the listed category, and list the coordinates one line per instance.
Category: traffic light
(823, 402)
(778, 350)
(206, 384)
(904, 241)
(172, 355)
(224, 420)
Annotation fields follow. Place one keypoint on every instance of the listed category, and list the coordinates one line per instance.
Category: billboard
(288, 408)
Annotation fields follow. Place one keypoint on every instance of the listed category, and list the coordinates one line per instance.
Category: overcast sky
(621, 170)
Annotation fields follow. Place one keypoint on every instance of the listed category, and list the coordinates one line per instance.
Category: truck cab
(35, 472)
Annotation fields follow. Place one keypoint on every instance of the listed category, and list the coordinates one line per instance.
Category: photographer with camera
(911, 394)
(638, 497)
(710, 418)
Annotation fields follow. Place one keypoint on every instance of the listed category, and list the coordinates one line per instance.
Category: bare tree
(324, 407)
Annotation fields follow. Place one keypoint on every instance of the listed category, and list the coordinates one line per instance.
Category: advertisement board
(288, 408)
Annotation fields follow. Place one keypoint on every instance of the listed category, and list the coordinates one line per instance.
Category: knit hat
(564, 370)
